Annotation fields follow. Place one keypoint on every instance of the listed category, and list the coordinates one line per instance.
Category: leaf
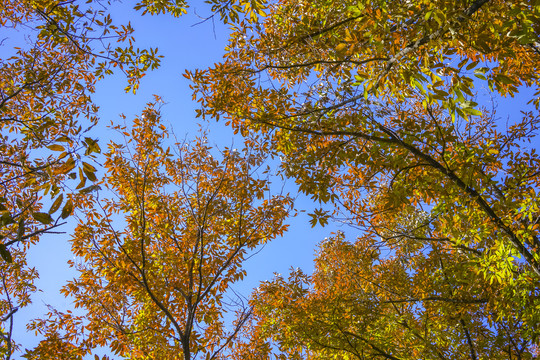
(82, 183)
(341, 47)
(319, 216)
(68, 165)
(56, 204)
(88, 167)
(6, 219)
(56, 147)
(21, 229)
(92, 146)
(505, 79)
(4, 252)
(472, 65)
(90, 189)
(89, 171)
(472, 111)
(67, 209)
(42, 217)
(90, 175)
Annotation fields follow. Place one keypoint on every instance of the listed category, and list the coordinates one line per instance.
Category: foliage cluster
(380, 111)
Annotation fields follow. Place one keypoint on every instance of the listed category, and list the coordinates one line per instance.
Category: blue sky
(185, 46)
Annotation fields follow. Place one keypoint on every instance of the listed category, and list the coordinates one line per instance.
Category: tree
(373, 107)
(46, 100)
(362, 304)
(159, 287)
(53, 54)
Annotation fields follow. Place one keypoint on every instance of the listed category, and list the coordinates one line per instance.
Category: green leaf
(20, 230)
(89, 171)
(42, 217)
(4, 252)
(472, 111)
(93, 146)
(88, 167)
(68, 208)
(6, 219)
(56, 204)
(504, 79)
(480, 76)
(319, 216)
(472, 65)
(89, 189)
(90, 175)
(341, 47)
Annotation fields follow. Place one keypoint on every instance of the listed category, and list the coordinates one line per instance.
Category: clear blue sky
(184, 46)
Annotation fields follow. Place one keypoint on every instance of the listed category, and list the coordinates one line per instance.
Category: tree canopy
(156, 287)
(385, 113)
(53, 54)
(382, 112)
